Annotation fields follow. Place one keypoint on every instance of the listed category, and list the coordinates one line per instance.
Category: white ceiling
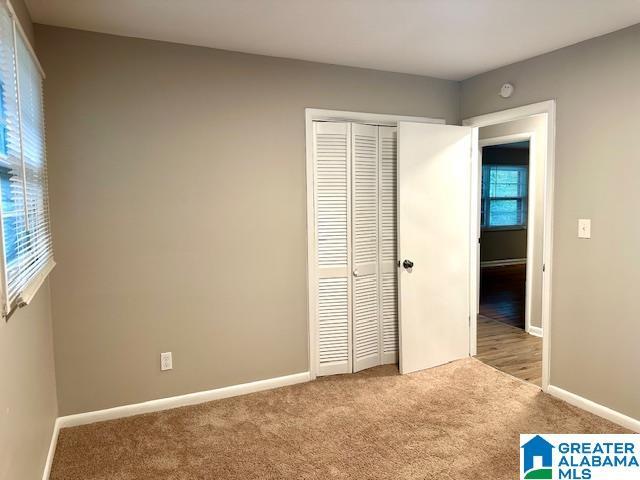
(452, 39)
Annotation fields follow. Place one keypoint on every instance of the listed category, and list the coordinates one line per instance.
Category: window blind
(504, 195)
(27, 247)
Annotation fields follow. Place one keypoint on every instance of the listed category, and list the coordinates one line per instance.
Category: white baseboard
(166, 404)
(389, 358)
(52, 450)
(595, 408)
(260, 385)
(503, 263)
(181, 400)
(536, 331)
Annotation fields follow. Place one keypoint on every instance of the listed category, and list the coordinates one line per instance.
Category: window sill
(505, 228)
(34, 285)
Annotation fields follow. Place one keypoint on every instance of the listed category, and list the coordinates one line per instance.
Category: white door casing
(434, 166)
(547, 107)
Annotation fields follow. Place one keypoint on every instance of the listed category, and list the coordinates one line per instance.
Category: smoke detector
(507, 90)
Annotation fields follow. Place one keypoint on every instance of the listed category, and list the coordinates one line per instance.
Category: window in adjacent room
(504, 196)
(26, 248)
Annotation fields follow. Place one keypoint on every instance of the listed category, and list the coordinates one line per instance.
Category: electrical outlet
(166, 362)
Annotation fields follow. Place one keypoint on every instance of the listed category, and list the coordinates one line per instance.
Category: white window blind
(504, 196)
(27, 253)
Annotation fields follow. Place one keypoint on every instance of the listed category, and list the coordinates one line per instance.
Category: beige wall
(177, 179)
(595, 330)
(28, 404)
(508, 244)
(537, 125)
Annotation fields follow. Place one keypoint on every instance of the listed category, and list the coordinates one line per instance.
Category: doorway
(508, 196)
(512, 196)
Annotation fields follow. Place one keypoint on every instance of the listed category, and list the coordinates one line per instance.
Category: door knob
(355, 272)
(407, 264)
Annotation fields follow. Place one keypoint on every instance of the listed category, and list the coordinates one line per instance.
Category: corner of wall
(459, 85)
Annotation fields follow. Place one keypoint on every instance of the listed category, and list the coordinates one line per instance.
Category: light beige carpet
(458, 421)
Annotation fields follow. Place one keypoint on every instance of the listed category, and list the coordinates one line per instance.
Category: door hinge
(544, 267)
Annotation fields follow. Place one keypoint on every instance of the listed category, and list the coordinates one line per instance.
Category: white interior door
(434, 199)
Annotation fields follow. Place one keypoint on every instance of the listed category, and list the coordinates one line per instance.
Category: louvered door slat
(365, 235)
(332, 198)
(388, 243)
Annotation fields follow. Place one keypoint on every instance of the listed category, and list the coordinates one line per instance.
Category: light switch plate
(584, 228)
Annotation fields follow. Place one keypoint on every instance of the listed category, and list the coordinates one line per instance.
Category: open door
(434, 207)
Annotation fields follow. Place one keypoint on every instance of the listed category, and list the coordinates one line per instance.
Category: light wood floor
(510, 350)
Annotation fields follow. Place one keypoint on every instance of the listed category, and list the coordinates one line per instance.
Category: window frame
(35, 279)
(486, 200)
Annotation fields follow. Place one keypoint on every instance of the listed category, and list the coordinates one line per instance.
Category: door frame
(531, 209)
(549, 108)
(313, 115)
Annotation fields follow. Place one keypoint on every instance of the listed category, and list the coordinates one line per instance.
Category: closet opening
(353, 239)
(377, 190)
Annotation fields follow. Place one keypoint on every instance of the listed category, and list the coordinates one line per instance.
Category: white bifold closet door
(332, 198)
(356, 233)
(367, 339)
(388, 147)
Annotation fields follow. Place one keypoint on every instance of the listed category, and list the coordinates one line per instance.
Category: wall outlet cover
(166, 361)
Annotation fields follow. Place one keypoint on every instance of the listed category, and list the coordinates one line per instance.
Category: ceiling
(452, 39)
